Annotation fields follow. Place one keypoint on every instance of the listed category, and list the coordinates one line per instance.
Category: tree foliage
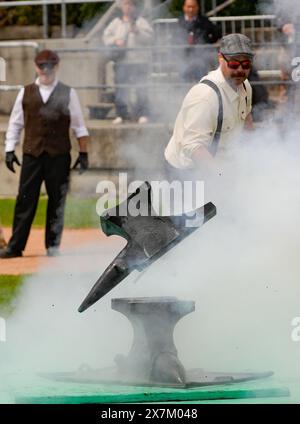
(239, 7)
(77, 14)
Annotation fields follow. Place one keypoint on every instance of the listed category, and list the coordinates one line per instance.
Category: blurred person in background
(194, 29)
(260, 96)
(288, 25)
(46, 110)
(122, 35)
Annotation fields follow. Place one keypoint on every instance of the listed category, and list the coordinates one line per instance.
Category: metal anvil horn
(149, 237)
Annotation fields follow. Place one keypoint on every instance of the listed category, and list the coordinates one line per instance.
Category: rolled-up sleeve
(77, 121)
(199, 125)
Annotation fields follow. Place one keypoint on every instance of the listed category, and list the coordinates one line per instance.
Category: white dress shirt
(16, 121)
(196, 122)
(188, 19)
(121, 30)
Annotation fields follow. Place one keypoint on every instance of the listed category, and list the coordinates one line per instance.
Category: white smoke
(241, 268)
(278, 7)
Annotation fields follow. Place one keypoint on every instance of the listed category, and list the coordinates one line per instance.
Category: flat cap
(46, 56)
(236, 44)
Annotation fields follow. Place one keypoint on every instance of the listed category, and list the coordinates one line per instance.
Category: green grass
(9, 288)
(79, 213)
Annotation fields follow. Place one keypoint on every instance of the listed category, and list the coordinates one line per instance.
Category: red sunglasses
(235, 64)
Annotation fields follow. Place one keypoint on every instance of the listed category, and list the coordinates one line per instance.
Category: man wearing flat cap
(46, 110)
(215, 111)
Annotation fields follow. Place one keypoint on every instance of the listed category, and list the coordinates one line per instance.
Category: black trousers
(131, 73)
(55, 172)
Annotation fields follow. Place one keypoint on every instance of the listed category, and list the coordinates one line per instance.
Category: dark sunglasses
(235, 64)
(46, 65)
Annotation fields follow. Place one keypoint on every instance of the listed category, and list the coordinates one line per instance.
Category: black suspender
(216, 140)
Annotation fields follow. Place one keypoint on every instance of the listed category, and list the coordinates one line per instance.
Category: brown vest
(46, 124)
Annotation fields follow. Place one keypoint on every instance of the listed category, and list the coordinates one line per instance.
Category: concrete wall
(33, 32)
(76, 69)
(129, 147)
(138, 150)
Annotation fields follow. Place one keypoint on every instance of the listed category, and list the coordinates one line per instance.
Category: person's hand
(82, 161)
(10, 158)
(120, 43)
(288, 29)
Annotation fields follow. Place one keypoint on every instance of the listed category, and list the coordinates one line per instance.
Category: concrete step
(107, 96)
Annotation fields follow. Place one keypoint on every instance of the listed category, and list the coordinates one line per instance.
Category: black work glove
(10, 158)
(83, 161)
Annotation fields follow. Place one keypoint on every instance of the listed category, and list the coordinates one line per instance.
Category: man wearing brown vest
(46, 109)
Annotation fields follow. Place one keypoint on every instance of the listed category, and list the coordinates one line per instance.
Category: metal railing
(236, 23)
(216, 9)
(164, 62)
(160, 82)
(32, 44)
(45, 4)
(248, 25)
(242, 24)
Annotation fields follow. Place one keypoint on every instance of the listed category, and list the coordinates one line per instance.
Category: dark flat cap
(46, 56)
(236, 44)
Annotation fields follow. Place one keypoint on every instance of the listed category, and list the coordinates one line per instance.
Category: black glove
(83, 161)
(10, 158)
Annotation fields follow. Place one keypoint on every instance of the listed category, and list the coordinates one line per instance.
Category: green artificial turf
(9, 287)
(79, 213)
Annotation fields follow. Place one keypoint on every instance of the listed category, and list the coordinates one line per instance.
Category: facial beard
(236, 82)
(239, 75)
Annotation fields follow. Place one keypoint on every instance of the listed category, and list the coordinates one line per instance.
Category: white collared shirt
(16, 121)
(187, 18)
(196, 121)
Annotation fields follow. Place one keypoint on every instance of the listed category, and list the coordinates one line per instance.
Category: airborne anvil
(149, 237)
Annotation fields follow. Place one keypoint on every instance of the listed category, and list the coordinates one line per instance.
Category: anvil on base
(153, 359)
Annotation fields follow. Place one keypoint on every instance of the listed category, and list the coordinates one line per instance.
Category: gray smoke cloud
(278, 6)
(241, 268)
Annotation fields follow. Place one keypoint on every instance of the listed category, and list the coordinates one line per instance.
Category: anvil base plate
(194, 378)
